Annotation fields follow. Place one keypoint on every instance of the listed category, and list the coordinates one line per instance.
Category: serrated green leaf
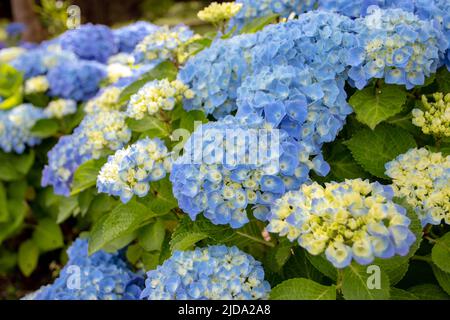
(47, 235)
(342, 164)
(151, 236)
(373, 149)
(298, 266)
(356, 281)
(161, 200)
(374, 105)
(86, 175)
(323, 265)
(443, 278)
(150, 125)
(400, 294)
(277, 256)
(186, 240)
(441, 253)
(121, 221)
(302, 289)
(45, 128)
(28, 257)
(428, 292)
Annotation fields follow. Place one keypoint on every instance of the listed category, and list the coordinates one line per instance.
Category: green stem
(431, 240)
(422, 258)
(270, 244)
(340, 278)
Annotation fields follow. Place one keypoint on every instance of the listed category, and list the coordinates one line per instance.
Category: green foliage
(441, 253)
(302, 289)
(372, 149)
(28, 257)
(258, 24)
(357, 284)
(45, 128)
(47, 235)
(86, 175)
(10, 86)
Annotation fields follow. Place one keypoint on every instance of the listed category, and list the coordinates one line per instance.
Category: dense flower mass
(219, 12)
(214, 273)
(130, 171)
(15, 125)
(90, 42)
(106, 99)
(98, 132)
(434, 119)
(60, 108)
(129, 36)
(79, 80)
(230, 164)
(155, 96)
(399, 48)
(37, 84)
(163, 44)
(423, 178)
(354, 219)
(102, 276)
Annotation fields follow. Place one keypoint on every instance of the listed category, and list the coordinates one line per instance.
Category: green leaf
(400, 294)
(10, 82)
(443, 80)
(186, 240)
(17, 210)
(302, 289)
(28, 257)
(150, 260)
(373, 149)
(66, 207)
(277, 256)
(165, 69)
(151, 236)
(121, 221)
(374, 105)
(443, 278)
(86, 175)
(152, 126)
(298, 266)
(356, 283)
(162, 200)
(47, 235)
(342, 164)
(258, 24)
(45, 128)
(428, 292)
(4, 214)
(323, 265)
(8, 260)
(134, 253)
(441, 253)
(14, 167)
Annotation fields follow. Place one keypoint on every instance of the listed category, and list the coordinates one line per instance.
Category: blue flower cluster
(90, 42)
(253, 9)
(100, 276)
(353, 220)
(105, 130)
(77, 80)
(15, 125)
(15, 29)
(130, 171)
(129, 36)
(233, 163)
(162, 44)
(211, 273)
(399, 48)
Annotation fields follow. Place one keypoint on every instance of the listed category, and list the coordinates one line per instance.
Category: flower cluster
(15, 125)
(354, 219)
(435, 118)
(60, 108)
(211, 273)
(98, 132)
(399, 48)
(162, 44)
(155, 96)
(129, 171)
(37, 84)
(102, 276)
(219, 12)
(117, 71)
(90, 42)
(79, 80)
(129, 36)
(253, 9)
(106, 100)
(230, 164)
(423, 178)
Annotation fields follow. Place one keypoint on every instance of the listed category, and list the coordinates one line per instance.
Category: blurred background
(45, 19)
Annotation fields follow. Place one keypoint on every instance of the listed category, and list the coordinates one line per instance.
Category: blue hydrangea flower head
(352, 220)
(234, 163)
(100, 276)
(15, 125)
(130, 171)
(210, 273)
(129, 36)
(90, 42)
(78, 80)
(14, 29)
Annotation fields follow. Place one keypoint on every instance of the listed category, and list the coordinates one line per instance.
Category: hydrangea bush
(284, 153)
